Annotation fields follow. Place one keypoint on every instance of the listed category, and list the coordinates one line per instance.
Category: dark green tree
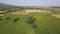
(31, 20)
(0, 18)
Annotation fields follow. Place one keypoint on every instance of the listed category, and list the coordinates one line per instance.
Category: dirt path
(19, 13)
(1, 14)
(56, 15)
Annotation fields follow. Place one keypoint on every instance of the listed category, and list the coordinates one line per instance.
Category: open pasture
(33, 23)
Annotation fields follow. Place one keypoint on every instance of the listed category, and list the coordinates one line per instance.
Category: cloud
(33, 2)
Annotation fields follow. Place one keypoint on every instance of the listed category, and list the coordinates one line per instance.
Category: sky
(32, 2)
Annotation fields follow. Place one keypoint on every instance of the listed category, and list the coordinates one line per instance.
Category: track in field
(46, 24)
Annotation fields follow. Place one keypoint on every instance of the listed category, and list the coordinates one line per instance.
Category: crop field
(33, 23)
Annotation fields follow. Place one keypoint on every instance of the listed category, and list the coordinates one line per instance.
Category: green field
(45, 24)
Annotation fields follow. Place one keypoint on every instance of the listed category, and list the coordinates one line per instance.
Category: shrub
(0, 18)
(8, 17)
(15, 20)
(34, 26)
(31, 20)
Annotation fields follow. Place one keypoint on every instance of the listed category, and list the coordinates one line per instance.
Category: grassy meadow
(41, 23)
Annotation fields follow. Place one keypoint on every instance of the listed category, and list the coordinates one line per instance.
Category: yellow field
(56, 15)
(1, 14)
(26, 12)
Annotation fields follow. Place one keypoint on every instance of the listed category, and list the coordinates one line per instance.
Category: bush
(8, 17)
(0, 18)
(15, 20)
(31, 20)
(34, 26)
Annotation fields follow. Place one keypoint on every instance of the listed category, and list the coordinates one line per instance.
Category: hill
(4, 6)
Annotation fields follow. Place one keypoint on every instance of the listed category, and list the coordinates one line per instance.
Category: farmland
(40, 23)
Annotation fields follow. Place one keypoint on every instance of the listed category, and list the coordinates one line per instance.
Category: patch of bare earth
(36, 11)
(1, 14)
(26, 12)
(56, 15)
(19, 13)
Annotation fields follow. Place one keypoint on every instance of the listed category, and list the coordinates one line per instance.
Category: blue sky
(32, 2)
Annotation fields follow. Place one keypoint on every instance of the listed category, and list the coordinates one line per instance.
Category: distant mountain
(6, 6)
(55, 7)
